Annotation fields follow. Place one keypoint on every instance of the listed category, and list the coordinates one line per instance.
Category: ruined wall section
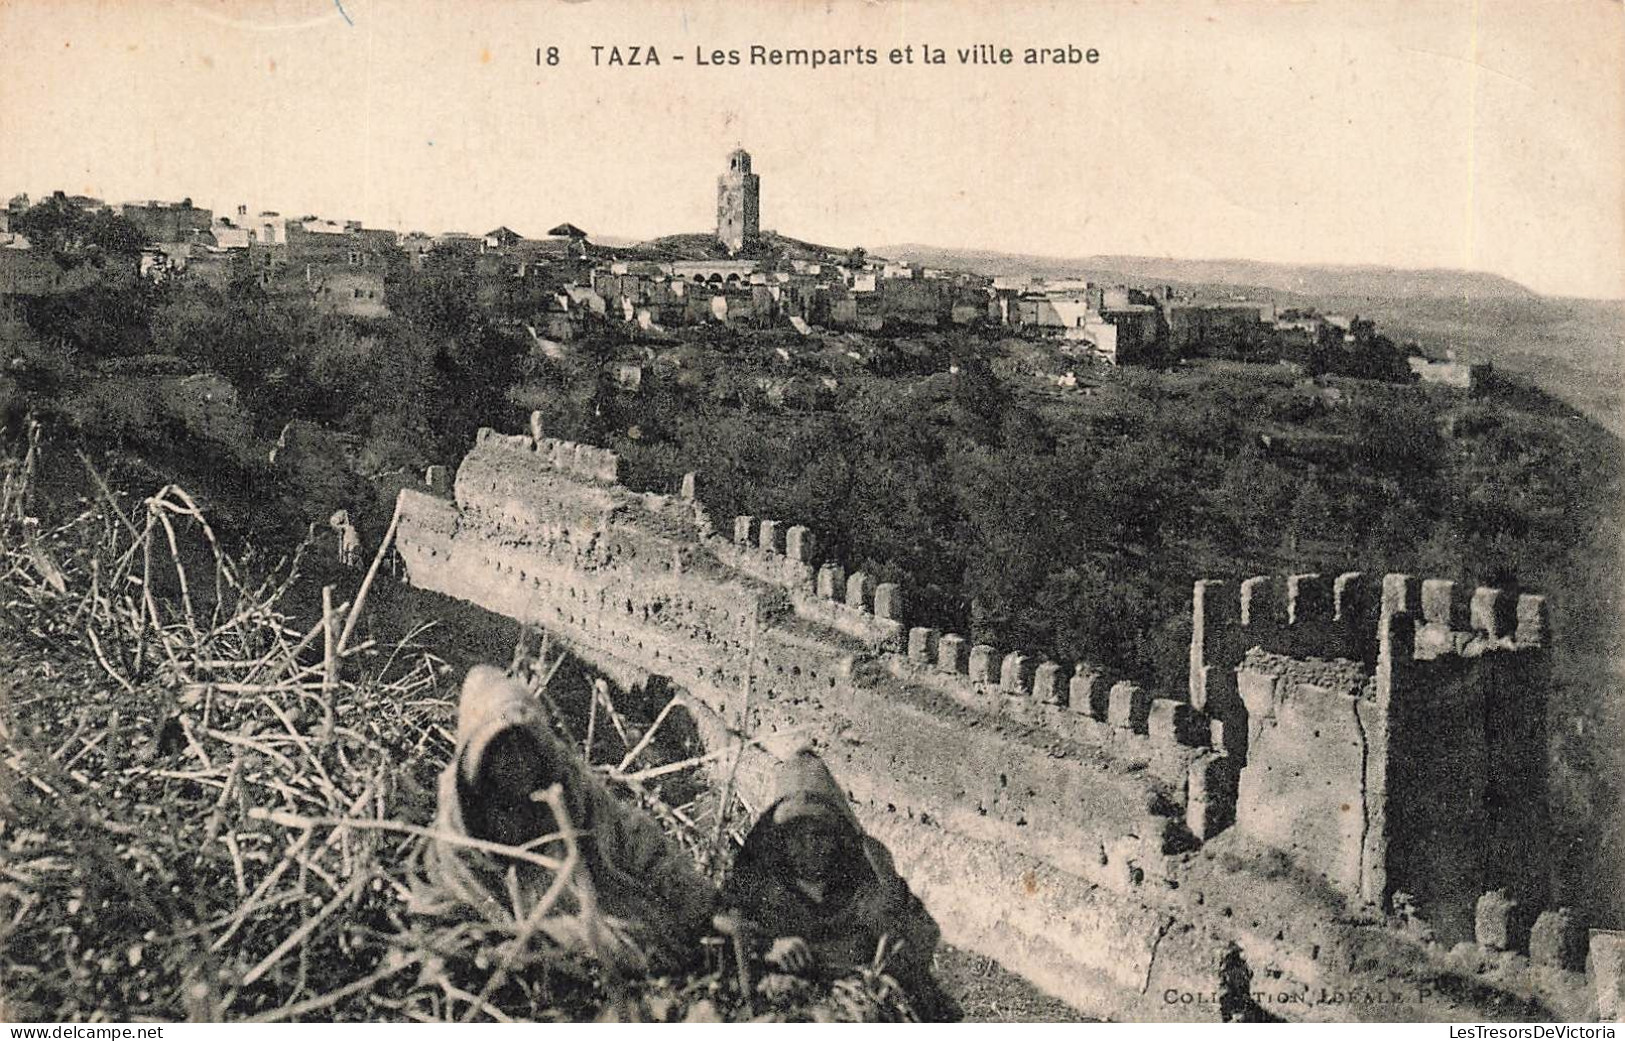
(680, 622)
(766, 550)
(907, 750)
(539, 532)
(1462, 685)
(1419, 770)
(1070, 704)
(783, 555)
(1303, 790)
(1298, 616)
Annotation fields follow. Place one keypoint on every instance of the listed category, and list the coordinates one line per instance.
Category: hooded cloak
(863, 900)
(634, 901)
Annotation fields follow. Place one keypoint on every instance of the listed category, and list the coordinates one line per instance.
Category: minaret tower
(739, 203)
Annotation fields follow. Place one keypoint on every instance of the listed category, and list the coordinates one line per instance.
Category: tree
(74, 236)
(106, 318)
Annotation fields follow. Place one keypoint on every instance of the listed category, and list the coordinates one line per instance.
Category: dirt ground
(989, 993)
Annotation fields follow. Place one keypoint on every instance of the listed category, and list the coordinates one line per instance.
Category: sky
(1482, 135)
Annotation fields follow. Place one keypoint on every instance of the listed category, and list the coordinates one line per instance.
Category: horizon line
(401, 227)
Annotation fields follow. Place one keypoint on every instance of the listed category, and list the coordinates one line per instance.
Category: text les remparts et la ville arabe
(652, 56)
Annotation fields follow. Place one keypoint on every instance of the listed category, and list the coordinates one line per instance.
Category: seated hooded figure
(634, 901)
(827, 893)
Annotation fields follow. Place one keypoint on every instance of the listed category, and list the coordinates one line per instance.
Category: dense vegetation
(1068, 523)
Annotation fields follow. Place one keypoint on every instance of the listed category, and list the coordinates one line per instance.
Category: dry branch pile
(210, 812)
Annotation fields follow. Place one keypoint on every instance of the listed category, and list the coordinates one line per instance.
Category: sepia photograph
(813, 511)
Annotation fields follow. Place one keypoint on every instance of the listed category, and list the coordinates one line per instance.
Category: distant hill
(1312, 280)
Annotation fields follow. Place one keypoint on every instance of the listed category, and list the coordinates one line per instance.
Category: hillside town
(560, 284)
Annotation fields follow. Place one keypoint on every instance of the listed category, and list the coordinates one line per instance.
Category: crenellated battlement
(1381, 750)
(1080, 703)
(583, 462)
(1372, 727)
(1312, 616)
(758, 548)
(1454, 621)
(783, 554)
(1303, 615)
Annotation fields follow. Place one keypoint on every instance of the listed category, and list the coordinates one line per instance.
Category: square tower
(739, 194)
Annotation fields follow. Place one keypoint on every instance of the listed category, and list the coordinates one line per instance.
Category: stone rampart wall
(1072, 824)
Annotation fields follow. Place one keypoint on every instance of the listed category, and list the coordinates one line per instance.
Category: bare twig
(330, 659)
(294, 820)
(372, 572)
(648, 736)
(316, 1004)
(725, 801)
(565, 876)
(354, 886)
